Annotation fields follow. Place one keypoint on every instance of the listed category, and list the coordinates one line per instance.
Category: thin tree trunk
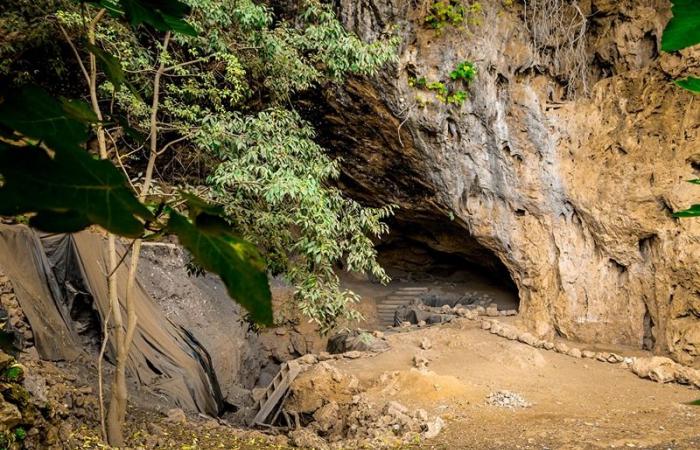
(118, 402)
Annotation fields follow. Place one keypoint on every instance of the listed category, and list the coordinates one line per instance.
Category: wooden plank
(275, 392)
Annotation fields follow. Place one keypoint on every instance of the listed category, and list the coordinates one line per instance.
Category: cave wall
(574, 196)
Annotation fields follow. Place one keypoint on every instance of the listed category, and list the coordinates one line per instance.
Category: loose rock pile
(335, 413)
(421, 314)
(507, 399)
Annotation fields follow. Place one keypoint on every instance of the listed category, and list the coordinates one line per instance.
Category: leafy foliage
(684, 28)
(466, 71)
(681, 32)
(445, 12)
(690, 83)
(163, 15)
(451, 13)
(68, 190)
(227, 117)
(273, 183)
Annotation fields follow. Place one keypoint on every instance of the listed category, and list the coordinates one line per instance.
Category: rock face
(573, 195)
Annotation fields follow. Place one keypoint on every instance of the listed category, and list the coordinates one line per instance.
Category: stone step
(407, 298)
(393, 303)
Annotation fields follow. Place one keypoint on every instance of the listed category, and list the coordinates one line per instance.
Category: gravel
(507, 399)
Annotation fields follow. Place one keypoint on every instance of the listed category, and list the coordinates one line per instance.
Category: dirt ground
(576, 403)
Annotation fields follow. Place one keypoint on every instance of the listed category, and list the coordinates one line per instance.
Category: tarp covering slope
(46, 274)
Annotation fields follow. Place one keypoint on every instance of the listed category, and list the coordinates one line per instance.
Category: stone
(657, 368)
(480, 310)
(561, 347)
(324, 356)
(309, 358)
(405, 325)
(355, 340)
(432, 429)
(485, 325)
(354, 354)
(425, 344)
(588, 354)
(327, 416)
(378, 334)
(175, 415)
(9, 415)
(420, 362)
(492, 310)
(395, 409)
(421, 323)
(36, 386)
(602, 356)
(306, 439)
(154, 429)
(548, 345)
(510, 333)
(575, 353)
(421, 414)
(527, 338)
(615, 358)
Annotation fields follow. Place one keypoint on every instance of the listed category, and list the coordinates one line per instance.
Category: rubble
(335, 413)
(507, 399)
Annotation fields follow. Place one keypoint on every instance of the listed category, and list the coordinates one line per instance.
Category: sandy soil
(577, 403)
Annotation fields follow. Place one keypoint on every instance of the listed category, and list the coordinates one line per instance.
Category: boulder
(356, 340)
(432, 429)
(657, 368)
(327, 416)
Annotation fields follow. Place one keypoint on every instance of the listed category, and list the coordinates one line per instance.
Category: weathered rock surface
(573, 196)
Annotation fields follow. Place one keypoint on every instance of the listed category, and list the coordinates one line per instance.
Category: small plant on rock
(466, 71)
(445, 12)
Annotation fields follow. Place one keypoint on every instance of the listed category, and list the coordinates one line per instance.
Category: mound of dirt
(332, 407)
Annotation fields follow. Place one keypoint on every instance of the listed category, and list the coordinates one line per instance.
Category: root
(558, 30)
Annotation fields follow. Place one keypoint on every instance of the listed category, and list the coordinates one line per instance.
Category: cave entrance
(437, 261)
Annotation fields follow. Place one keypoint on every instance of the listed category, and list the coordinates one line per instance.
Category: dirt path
(576, 403)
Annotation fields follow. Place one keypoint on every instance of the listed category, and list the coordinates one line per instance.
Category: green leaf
(684, 28)
(691, 83)
(163, 15)
(693, 211)
(695, 181)
(197, 206)
(236, 261)
(79, 110)
(110, 64)
(695, 402)
(34, 113)
(68, 191)
(60, 222)
(179, 26)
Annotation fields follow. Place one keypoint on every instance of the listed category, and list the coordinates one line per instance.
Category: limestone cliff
(572, 191)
